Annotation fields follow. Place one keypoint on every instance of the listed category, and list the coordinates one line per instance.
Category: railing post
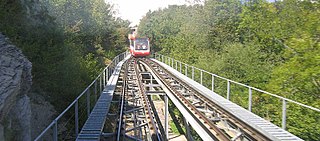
(55, 131)
(104, 78)
(95, 91)
(100, 84)
(76, 118)
(201, 77)
(212, 83)
(192, 73)
(88, 101)
(228, 90)
(176, 65)
(250, 99)
(162, 59)
(108, 73)
(186, 71)
(284, 112)
(95, 87)
(180, 66)
(107, 69)
(172, 63)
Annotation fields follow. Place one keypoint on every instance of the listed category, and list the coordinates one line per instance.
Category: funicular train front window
(141, 44)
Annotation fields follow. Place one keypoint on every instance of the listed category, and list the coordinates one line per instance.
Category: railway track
(137, 118)
(125, 110)
(220, 123)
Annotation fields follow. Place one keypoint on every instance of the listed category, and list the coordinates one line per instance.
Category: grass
(176, 123)
(155, 97)
(174, 128)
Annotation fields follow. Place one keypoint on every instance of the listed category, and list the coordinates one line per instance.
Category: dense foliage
(68, 42)
(270, 45)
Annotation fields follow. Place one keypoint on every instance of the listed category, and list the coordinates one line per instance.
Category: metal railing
(100, 81)
(183, 67)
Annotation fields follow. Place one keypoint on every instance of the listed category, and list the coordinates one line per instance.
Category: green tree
(269, 45)
(68, 42)
(298, 78)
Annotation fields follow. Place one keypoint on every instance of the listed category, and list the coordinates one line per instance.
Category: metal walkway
(93, 127)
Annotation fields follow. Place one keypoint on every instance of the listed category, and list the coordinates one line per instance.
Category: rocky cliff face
(15, 82)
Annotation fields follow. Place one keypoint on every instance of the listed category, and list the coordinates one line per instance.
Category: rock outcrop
(15, 82)
(43, 113)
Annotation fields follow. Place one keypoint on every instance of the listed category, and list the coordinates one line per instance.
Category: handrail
(170, 61)
(105, 73)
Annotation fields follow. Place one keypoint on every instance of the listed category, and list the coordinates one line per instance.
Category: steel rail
(134, 120)
(244, 85)
(155, 135)
(191, 120)
(248, 130)
(206, 123)
(206, 101)
(123, 92)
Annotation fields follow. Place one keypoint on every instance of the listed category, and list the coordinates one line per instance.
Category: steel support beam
(193, 122)
(139, 126)
(188, 133)
(166, 116)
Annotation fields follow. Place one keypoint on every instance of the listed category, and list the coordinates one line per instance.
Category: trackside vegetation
(68, 42)
(273, 46)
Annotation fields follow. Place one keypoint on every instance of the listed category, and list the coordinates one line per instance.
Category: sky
(134, 10)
